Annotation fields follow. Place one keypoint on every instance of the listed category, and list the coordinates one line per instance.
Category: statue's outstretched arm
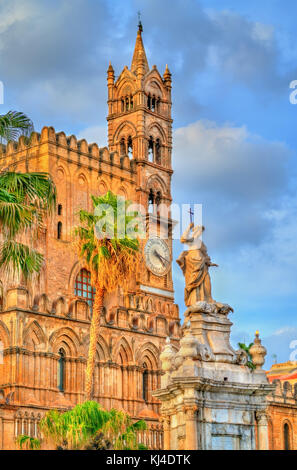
(185, 238)
(197, 231)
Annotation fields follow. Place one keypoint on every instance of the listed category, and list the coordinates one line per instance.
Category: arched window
(151, 201)
(127, 103)
(153, 104)
(151, 150)
(145, 383)
(158, 105)
(287, 436)
(158, 151)
(83, 287)
(59, 231)
(131, 102)
(130, 147)
(158, 198)
(61, 370)
(122, 105)
(122, 147)
(149, 101)
(59, 209)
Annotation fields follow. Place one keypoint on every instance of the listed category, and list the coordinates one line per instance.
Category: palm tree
(13, 125)
(25, 200)
(87, 426)
(112, 262)
(246, 348)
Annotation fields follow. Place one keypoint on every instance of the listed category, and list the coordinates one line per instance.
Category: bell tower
(140, 127)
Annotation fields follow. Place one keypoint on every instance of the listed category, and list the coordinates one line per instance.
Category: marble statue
(195, 263)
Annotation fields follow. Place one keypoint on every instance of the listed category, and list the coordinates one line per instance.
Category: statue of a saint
(195, 263)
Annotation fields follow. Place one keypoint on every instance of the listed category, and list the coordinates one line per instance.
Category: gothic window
(131, 102)
(122, 105)
(158, 151)
(127, 103)
(151, 201)
(130, 147)
(158, 198)
(145, 383)
(61, 370)
(59, 209)
(286, 436)
(151, 150)
(153, 104)
(149, 101)
(158, 105)
(122, 146)
(83, 287)
(59, 231)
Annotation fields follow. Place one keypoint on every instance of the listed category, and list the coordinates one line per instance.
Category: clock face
(157, 256)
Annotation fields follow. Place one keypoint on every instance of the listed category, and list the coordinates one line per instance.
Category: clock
(157, 256)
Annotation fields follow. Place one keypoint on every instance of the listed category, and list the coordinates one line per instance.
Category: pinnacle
(139, 56)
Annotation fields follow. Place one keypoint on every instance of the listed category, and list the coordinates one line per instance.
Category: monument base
(210, 398)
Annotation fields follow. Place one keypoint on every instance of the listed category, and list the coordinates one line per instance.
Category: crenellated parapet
(78, 151)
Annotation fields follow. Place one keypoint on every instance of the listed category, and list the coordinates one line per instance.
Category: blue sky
(235, 133)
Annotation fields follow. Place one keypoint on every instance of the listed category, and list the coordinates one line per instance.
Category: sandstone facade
(44, 326)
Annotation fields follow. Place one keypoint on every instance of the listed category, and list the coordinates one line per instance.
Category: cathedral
(44, 325)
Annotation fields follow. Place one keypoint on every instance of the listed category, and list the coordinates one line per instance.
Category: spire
(139, 56)
(167, 77)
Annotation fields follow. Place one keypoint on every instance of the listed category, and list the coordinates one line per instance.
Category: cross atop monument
(191, 212)
(139, 22)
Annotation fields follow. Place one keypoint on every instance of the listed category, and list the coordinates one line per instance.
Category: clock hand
(159, 256)
(165, 259)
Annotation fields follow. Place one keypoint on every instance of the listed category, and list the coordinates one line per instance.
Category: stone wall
(282, 411)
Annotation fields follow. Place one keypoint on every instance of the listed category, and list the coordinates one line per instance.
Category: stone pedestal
(210, 398)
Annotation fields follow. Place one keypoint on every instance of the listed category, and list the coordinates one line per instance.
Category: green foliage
(109, 252)
(88, 426)
(27, 442)
(13, 125)
(25, 200)
(246, 348)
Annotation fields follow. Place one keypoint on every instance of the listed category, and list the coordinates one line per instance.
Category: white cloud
(237, 176)
(286, 330)
(12, 12)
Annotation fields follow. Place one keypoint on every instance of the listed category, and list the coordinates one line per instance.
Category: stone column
(262, 428)
(165, 420)
(191, 441)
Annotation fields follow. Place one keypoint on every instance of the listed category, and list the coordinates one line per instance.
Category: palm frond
(31, 443)
(14, 124)
(112, 261)
(17, 258)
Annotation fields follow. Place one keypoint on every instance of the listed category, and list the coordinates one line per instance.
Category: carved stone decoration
(210, 375)
(166, 358)
(241, 357)
(191, 411)
(188, 344)
(258, 352)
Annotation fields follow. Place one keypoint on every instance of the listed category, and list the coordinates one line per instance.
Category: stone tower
(140, 128)
(44, 325)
